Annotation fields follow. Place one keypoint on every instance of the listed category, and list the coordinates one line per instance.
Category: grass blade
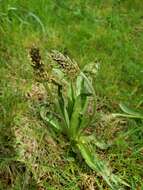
(30, 14)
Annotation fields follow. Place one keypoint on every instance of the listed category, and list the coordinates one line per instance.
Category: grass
(110, 33)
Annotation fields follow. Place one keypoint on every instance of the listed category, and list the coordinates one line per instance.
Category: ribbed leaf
(62, 104)
(88, 88)
(88, 84)
(131, 112)
(71, 99)
(75, 117)
(100, 166)
(78, 119)
(84, 91)
(79, 83)
(92, 139)
(50, 119)
(94, 163)
(83, 85)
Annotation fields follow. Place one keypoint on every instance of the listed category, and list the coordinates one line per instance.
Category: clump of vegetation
(74, 111)
(32, 156)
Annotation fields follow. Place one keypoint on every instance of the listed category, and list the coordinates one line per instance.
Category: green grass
(108, 32)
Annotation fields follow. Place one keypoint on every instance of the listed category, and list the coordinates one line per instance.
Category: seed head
(37, 64)
(68, 66)
(36, 59)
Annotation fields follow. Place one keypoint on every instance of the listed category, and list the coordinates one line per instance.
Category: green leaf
(94, 163)
(71, 99)
(62, 104)
(91, 68)
(131, 112)
(99, 166)
(31, 14)
(88, 84)
(89, 88)
(92, 139)
(84, 119)
(50, 119)
(79, 82)
(83, 85)
(75, 117)
(84, 91)
(59, 73)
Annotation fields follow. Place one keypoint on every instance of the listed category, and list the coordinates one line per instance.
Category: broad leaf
(75, 117)
(62, 104)
(92, 139)
(100, 166)
(50, 119)
(129, 113)
(71, 99)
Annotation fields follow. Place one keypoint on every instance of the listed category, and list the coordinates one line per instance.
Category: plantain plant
(74, 112)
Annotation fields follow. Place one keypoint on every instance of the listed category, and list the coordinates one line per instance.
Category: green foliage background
(109, 32)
